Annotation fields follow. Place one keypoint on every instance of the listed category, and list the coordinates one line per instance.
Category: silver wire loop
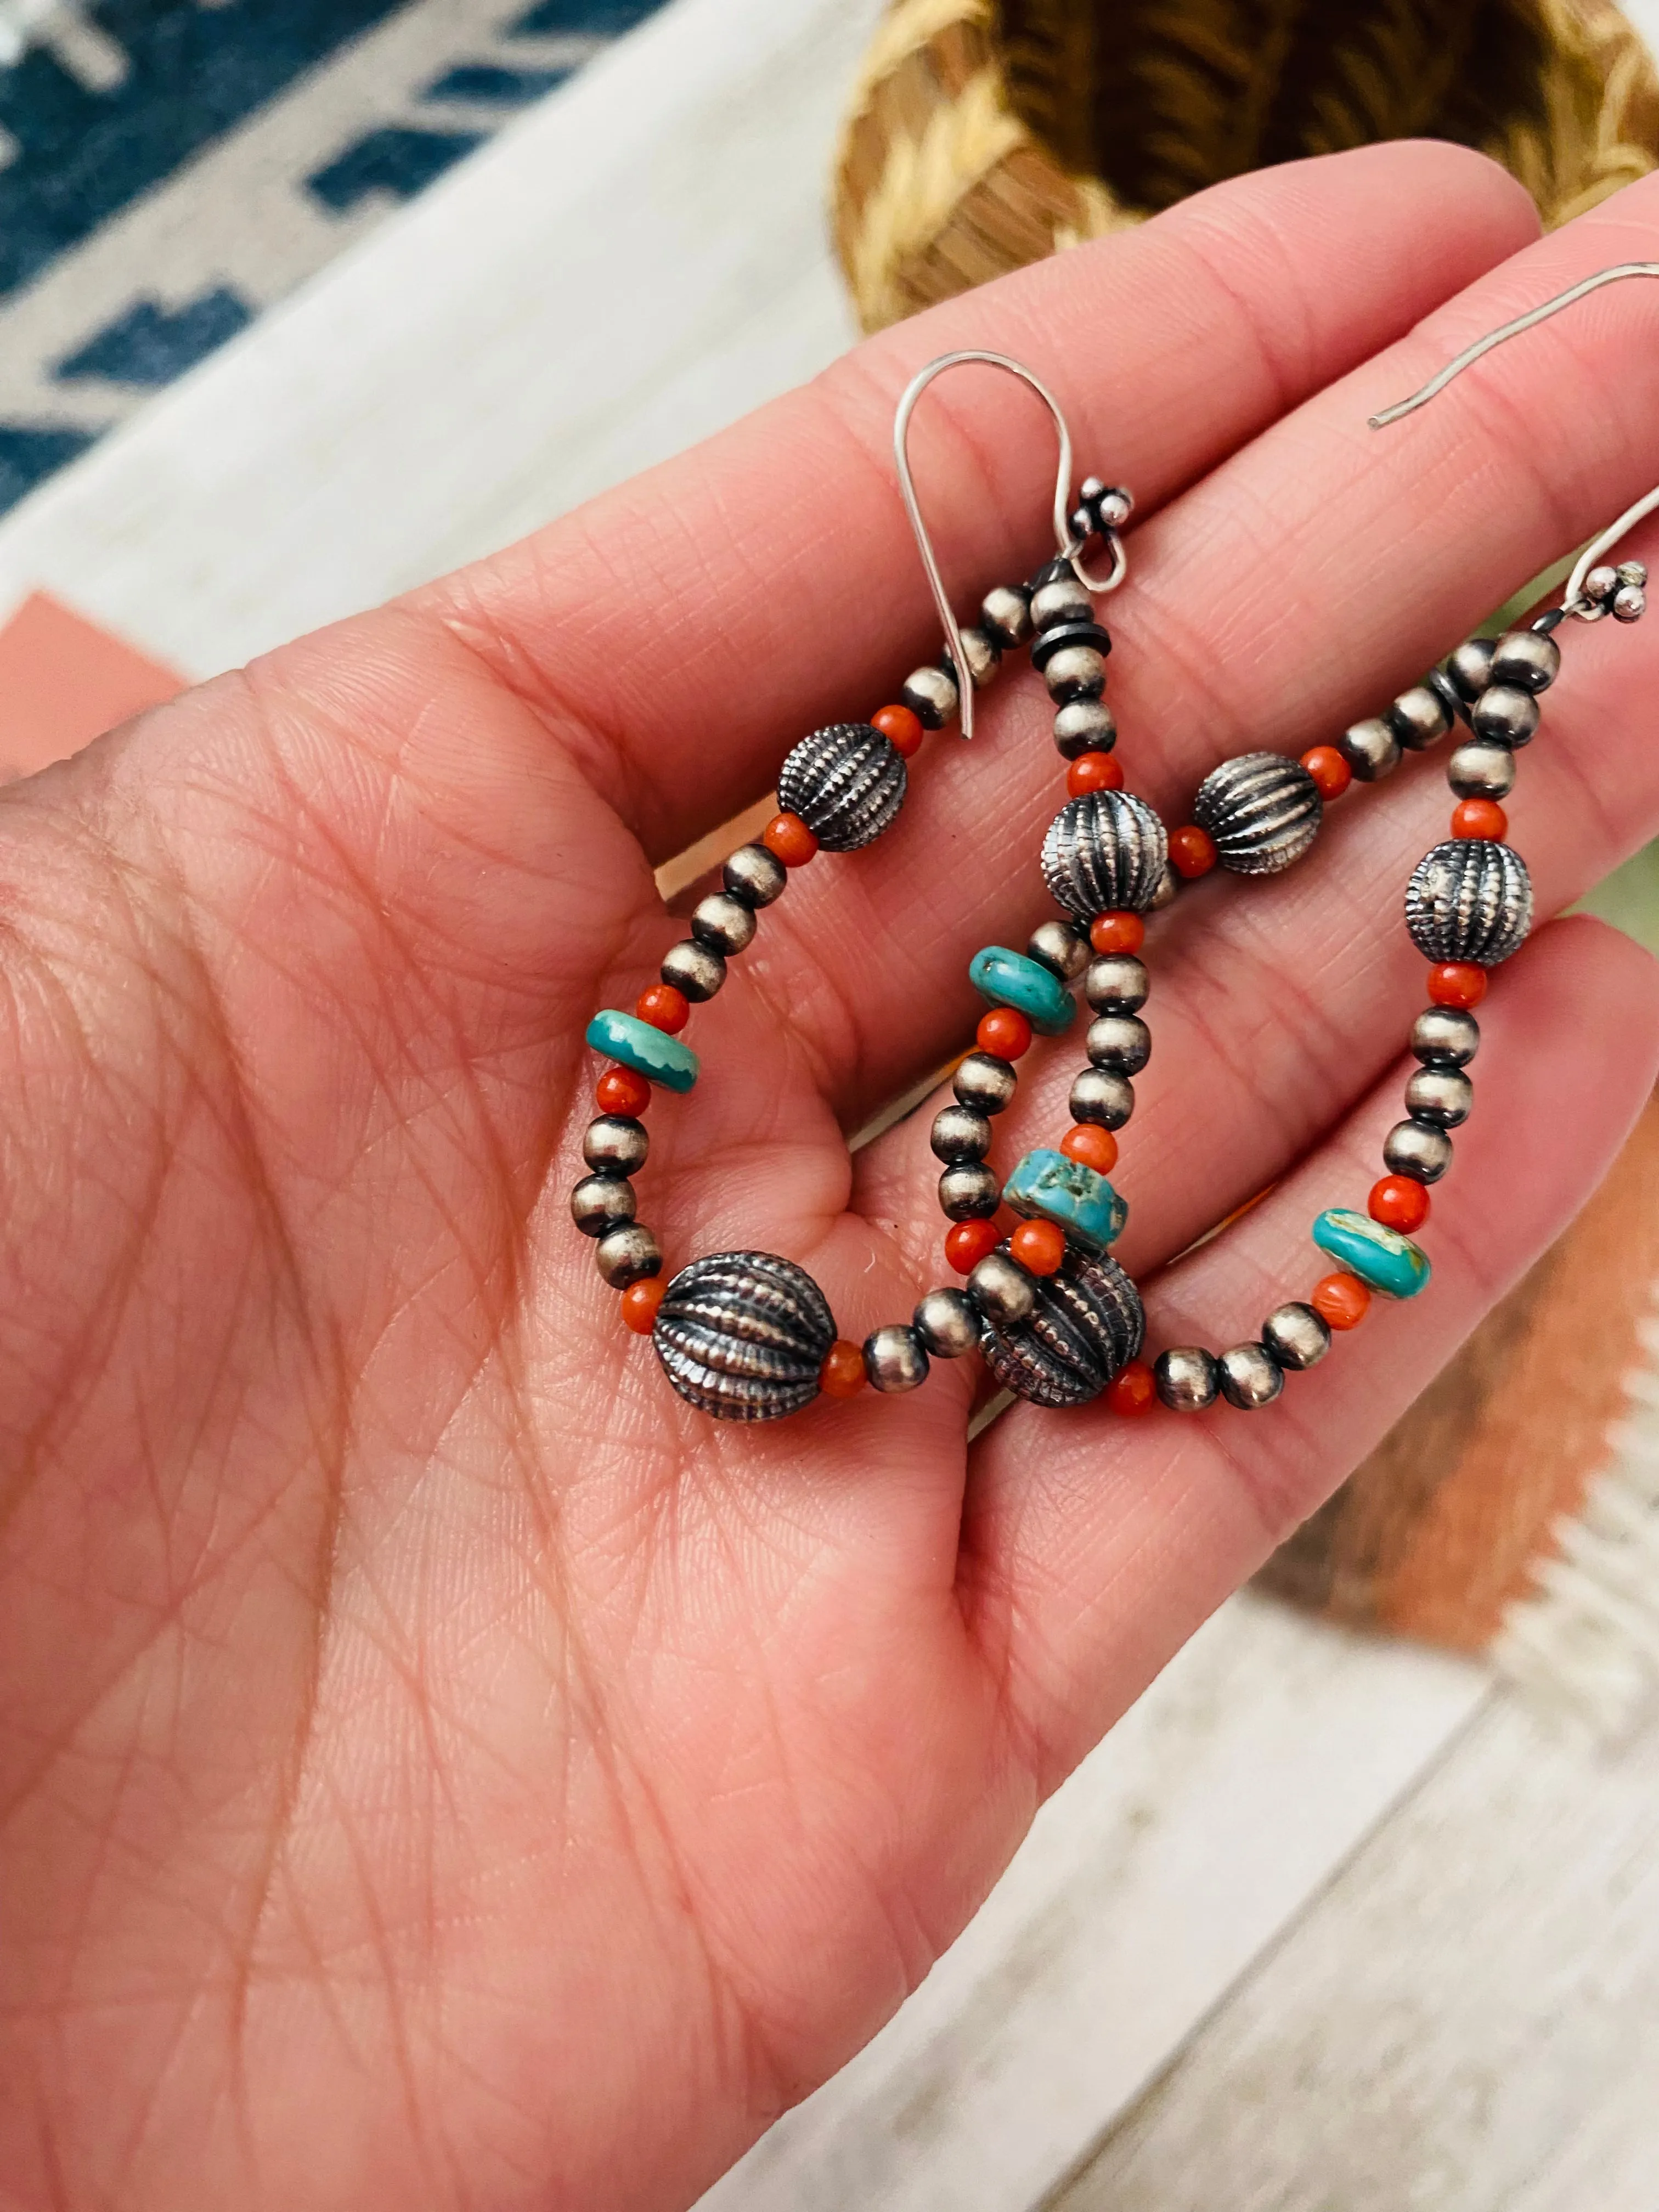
(1069, 548)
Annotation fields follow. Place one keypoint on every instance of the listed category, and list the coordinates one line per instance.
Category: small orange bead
(1117, 932)
(1328, 770)
(1479, 817)
(787, 838)
(664, 1007)
(1039, 1246)
(1398, 1202)
(842, 1375)
(901, 727)
(1192, 851)
(967, 1244)
(1091, 1146)
(1005, 1032)
(622, 1091)
(1457, 983)
(1340, 1301)
(1133, 1390)
(1093, 772)
(640, 1301)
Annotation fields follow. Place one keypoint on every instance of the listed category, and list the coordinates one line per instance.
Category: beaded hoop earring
(749, 1335)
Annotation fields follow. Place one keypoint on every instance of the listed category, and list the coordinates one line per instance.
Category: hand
(437, 1768)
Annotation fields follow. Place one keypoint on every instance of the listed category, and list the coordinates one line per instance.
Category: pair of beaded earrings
(749, 1336)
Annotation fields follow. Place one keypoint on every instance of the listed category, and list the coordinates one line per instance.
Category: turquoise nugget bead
(1382, 1257)
(1009, 978)
(1078, 1198)
(649, 1052)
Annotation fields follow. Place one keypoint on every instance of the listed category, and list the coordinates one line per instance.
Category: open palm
(437, 1768)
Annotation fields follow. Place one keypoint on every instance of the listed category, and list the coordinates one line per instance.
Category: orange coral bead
(1340, 1301)
(967, 1244)
(640, 1301)
(1192, 851)
(1093, 772)
(1039, 1247)
(664, 1007)
(1399, 1202)
(1328, 770)
(622, 1091)
(787, 838)
(900, 727)
(842, 1375)
(1457, 983)
(1117, 932)
(1091, 1146)
(1005, 1032)
(1479, 817)
(1131, 1390)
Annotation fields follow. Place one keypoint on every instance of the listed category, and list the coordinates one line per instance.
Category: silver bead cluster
(1293, 1338)
(1620, 592)
(1422, 715)
(1438, 1095)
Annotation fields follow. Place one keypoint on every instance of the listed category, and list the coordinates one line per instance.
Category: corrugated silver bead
(1006, 612)
(1104, 853)
(1469, 899)
(1412, 1148)
(1188, 1378)
(697, 970)
(1371, 749)
(755, 875)
(1419, 717)
(628, 1255)
(985, 1082)
(1263, 810)
(1085, 726)
(969, 1192)
(1251, 1376)
(742, 1335)
(1505, 712)
(1086, 1324)
(1121, 1043)
(601, 1202)
(931, 696)
(948, 1323)
(1002, 1290)
(982, 654)
(1482, 768)
(1445, 1037)
(1060, 947)
(1470, 667)
(616, 1144)
(1117, 983)
(895, 1358)
(1441, 1096)
(960, 1133)
(1296, 1336)
(1525, 659)
(1097, 1095)
(847, 783)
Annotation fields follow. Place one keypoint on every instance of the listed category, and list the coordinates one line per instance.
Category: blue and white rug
(169, 168)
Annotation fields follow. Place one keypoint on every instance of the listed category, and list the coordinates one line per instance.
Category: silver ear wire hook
(1070, 547)
(1573, 599)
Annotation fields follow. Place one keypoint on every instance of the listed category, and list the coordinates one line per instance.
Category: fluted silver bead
(1250, 1378)
(1412, 1148)
(616, 1144)
(985, 1082)
(1469, 898)
(1526, 659)
(895, 1358)
(969, 1192)
(1061, 599)
(948, 1323)
(1060, 947)
(1445, 1037)
(1117, 983)
(931, 696)
(960, 1133)
(723, 923)
(1420, 718)
(1470, 667)
(847, 783)
(1121, 1043)
(1076, 672)
(1630, 603)
(755, 875)
(1086, 1324)
(743, 1335)
(697, 970)
(1481, 769)
(1002, 1290)
(1441, 1096)
(982, 654)
(1263, 810)
(1188, 1378)
(1085, 726)
(1295, 1336)
(1104, 853)
(601, 1202)
(1005, 612)
(1105, 1099)
(628, 1255)
(1505, 712)
(1371, 749)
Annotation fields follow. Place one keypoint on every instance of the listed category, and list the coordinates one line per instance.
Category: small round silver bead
(1525, 659)
(755, 875)
(1630, 603)
(947, 1321)
(985, 1083)
(1188, 1379)
(969, 1192)
(1121, 1043)
(1165, 892)
(1470, 667)
(615, 1144)
(1445, 1037)
(723, 923)
(697, 970)
(1482, 768)
(628, 1255)
(1250, 1378)
(1060, 598)
(895, 1358)
(1059, 947)
(1412, 1148)
(1117, 983)
(1105, 1099)
(1633, 571)
(1441, 1096)
(1085, 726)
(1601, 583)
(982, 654)
(1371, 749)
(1002, 1290)
(601, 1202)
(1506, 712)
(1420, 718)
(960, 1133)
(1005, 612)
(1076, 672)
(1112, 503)
(1295, 1336)
(931, 696)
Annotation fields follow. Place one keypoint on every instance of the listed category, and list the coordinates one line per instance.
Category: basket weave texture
(986, 134)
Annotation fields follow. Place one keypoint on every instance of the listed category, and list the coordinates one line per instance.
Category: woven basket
(986, 134)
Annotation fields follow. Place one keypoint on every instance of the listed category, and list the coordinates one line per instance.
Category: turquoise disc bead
(1381, 1257)
(649, 1052)
(1009, 978)
(1048, 1186)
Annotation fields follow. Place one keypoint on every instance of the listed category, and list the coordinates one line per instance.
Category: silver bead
(1167, 891)
(615, 1144)
(697, 970)
(1481, 769)
(985, 1082)
(1601, 583)
(1106, 1100)
(1006, 612)
(895, 1358)
(1506, 712)
(1121, 1043)
(1059, 946)
(1295, 1336)
(601, 1202)
(847, 783)
(1085, 726)
(628, 1255)
(1188, 1378)
(1371, 749)
(1104, 853)
(960, 1133)
(1469, 899)
(1470, 667)
(969, 1192)
(1084, 1324)
(1060, 598)
(1445, 1037)
(1633, 571)
(1076, 672)
(1630, 604)
(1112, 503)
(1525, 659)
(1441, 1096)
(755, 875)
(1420, 718)
(931, 696)
(982, 654)
(1412, 1148)
(1117, 983)
(742, 1335)
(1263, 811)
(1002, 1290)
(948, 1323)
(1250, 1378)
(723, 923)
